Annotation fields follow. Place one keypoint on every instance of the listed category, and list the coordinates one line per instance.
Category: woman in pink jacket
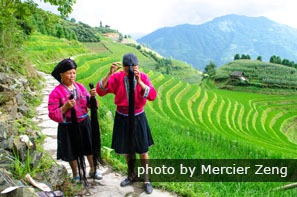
(60, 104)
(117, 84)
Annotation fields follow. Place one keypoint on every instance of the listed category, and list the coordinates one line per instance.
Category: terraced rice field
(198, 121)
(254, 120)
(191, 121)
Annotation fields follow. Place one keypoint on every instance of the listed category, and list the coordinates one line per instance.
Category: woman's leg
(91, 163)
(73, 165)
(131, 174)
(130, 160)
(148, 188)
(93, 172)
(144, 162)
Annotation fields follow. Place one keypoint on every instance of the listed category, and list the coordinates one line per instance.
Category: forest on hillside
(19, 19)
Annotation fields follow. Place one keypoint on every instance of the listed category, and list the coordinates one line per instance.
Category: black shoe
(148, 188)
(126, 182)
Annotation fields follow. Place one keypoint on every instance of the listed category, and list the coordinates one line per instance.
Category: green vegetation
(273, 59)
(198, 120)
(259, 75)
(46, 49)
(188, 120)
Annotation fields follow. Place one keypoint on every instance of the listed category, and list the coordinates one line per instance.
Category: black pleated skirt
(69, 142)
(122, 140)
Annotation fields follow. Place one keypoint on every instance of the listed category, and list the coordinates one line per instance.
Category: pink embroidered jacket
(118, 85)
(60, 95)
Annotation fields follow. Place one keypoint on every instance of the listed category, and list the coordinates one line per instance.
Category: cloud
(145, 16)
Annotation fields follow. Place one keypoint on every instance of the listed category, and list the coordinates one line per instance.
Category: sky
(140, 17)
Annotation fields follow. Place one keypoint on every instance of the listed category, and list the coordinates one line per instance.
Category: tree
(272, 59)
(259, 58)
(210, 69)
(120, 37)
(286, 62)
(275, 59)
(60, 33)
(138, 47)
(64, 7)
(237, 57)
(168, 69)
(72, 35)
(245, 57)
(15, 25)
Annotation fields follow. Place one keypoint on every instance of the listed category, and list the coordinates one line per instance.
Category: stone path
(110, 184)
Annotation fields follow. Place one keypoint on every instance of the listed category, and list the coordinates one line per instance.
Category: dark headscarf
(130, 59)
(63, 66)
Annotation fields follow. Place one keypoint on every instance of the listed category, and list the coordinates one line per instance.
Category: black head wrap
(63, 66)
(130, 59)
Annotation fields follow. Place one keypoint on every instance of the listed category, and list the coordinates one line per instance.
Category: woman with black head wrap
(68, 105)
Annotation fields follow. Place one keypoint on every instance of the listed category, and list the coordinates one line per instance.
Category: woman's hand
(68, 105)
(137, 74)
(138, 78)
(114, 67)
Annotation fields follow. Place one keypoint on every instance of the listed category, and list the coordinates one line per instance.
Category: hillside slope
(195, 121)
(258, 74)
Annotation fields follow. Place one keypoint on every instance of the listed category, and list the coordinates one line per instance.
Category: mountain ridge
(221, 38)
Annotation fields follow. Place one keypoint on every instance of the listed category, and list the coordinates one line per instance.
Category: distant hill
(220, 39)
(253, 75)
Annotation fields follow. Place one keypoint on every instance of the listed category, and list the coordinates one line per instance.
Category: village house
(238, 76)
